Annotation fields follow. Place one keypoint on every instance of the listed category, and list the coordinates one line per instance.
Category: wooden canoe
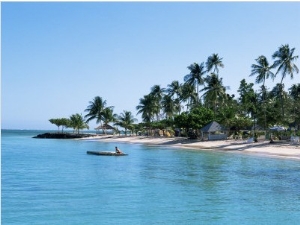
(105, 153)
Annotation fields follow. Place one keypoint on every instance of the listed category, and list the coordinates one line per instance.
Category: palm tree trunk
(282, 108)
(265, 115)
(197, 94)
(264, 101)
(281, 98)
(215, 109)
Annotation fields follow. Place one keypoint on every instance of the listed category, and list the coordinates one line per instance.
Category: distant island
(63, 135)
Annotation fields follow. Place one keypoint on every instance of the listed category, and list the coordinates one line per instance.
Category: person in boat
(118, 151)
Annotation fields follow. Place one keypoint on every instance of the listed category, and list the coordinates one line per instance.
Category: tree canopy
(185, 105)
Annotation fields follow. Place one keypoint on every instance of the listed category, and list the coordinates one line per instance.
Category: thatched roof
(105, 127)
(212, 127)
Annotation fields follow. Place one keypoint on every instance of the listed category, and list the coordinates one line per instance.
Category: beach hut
(105, 127)
(213, 131)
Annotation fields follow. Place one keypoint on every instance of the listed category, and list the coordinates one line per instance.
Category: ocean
(48, 181)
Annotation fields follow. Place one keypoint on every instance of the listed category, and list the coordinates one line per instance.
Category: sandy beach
(283, 149)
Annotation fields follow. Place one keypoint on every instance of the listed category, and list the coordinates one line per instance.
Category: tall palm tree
(126, 120)
(95, 109)
(170, 107)
(108, 116)
(189, 95)
(157, 92)
(277, 94)
(246, 92)
(263, 71)
(174, 89)
(295, 94)
(214, 92)
(148, 108)
(213, 62)
(284, 59)
(195, 77)
(263, 99)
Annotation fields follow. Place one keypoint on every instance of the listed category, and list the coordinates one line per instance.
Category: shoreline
(281, 149)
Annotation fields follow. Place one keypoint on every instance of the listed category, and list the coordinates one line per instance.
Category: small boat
(105, 153)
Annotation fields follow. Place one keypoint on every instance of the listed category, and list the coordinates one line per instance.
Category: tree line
(202, 97)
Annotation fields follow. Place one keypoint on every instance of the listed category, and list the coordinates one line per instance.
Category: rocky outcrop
(63, 135)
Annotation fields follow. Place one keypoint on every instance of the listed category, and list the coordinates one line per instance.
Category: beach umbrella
(105, 127)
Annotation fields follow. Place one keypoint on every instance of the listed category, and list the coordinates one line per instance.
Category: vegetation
(284, 60)
(126, 120)
(77, 122)
(63, 122)
(202, 98)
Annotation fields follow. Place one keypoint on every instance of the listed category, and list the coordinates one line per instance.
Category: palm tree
(276, 91)
(108, 116)
(284, 60)
(194, 78)
(148, 108)
(214, 91)
(295, 94)
(295, 91)
(277, 94)
(213, 62)
(246, 92)
(157, 92)
(188, 95)
(126, 120)
(95, 110)
(77, 122)
(263, 99)
(170, 107)
(174, 89)
(263, 71)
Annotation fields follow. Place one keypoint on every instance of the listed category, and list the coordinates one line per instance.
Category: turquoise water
(55, 182)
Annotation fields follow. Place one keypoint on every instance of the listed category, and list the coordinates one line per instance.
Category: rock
(63, 135)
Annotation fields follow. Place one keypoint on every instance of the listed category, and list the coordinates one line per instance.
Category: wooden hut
(213, 131)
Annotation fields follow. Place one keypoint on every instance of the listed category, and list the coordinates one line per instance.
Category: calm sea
(55, 182)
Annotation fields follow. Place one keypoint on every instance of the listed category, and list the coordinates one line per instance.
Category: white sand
(278, 149)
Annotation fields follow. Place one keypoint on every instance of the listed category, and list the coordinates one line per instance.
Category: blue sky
(56, 57)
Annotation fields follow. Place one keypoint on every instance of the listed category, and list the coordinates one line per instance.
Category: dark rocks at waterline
(63, 135)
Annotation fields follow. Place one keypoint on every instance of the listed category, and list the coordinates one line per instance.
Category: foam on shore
(278, 149)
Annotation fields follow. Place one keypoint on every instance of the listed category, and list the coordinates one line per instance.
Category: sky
(58, 56)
